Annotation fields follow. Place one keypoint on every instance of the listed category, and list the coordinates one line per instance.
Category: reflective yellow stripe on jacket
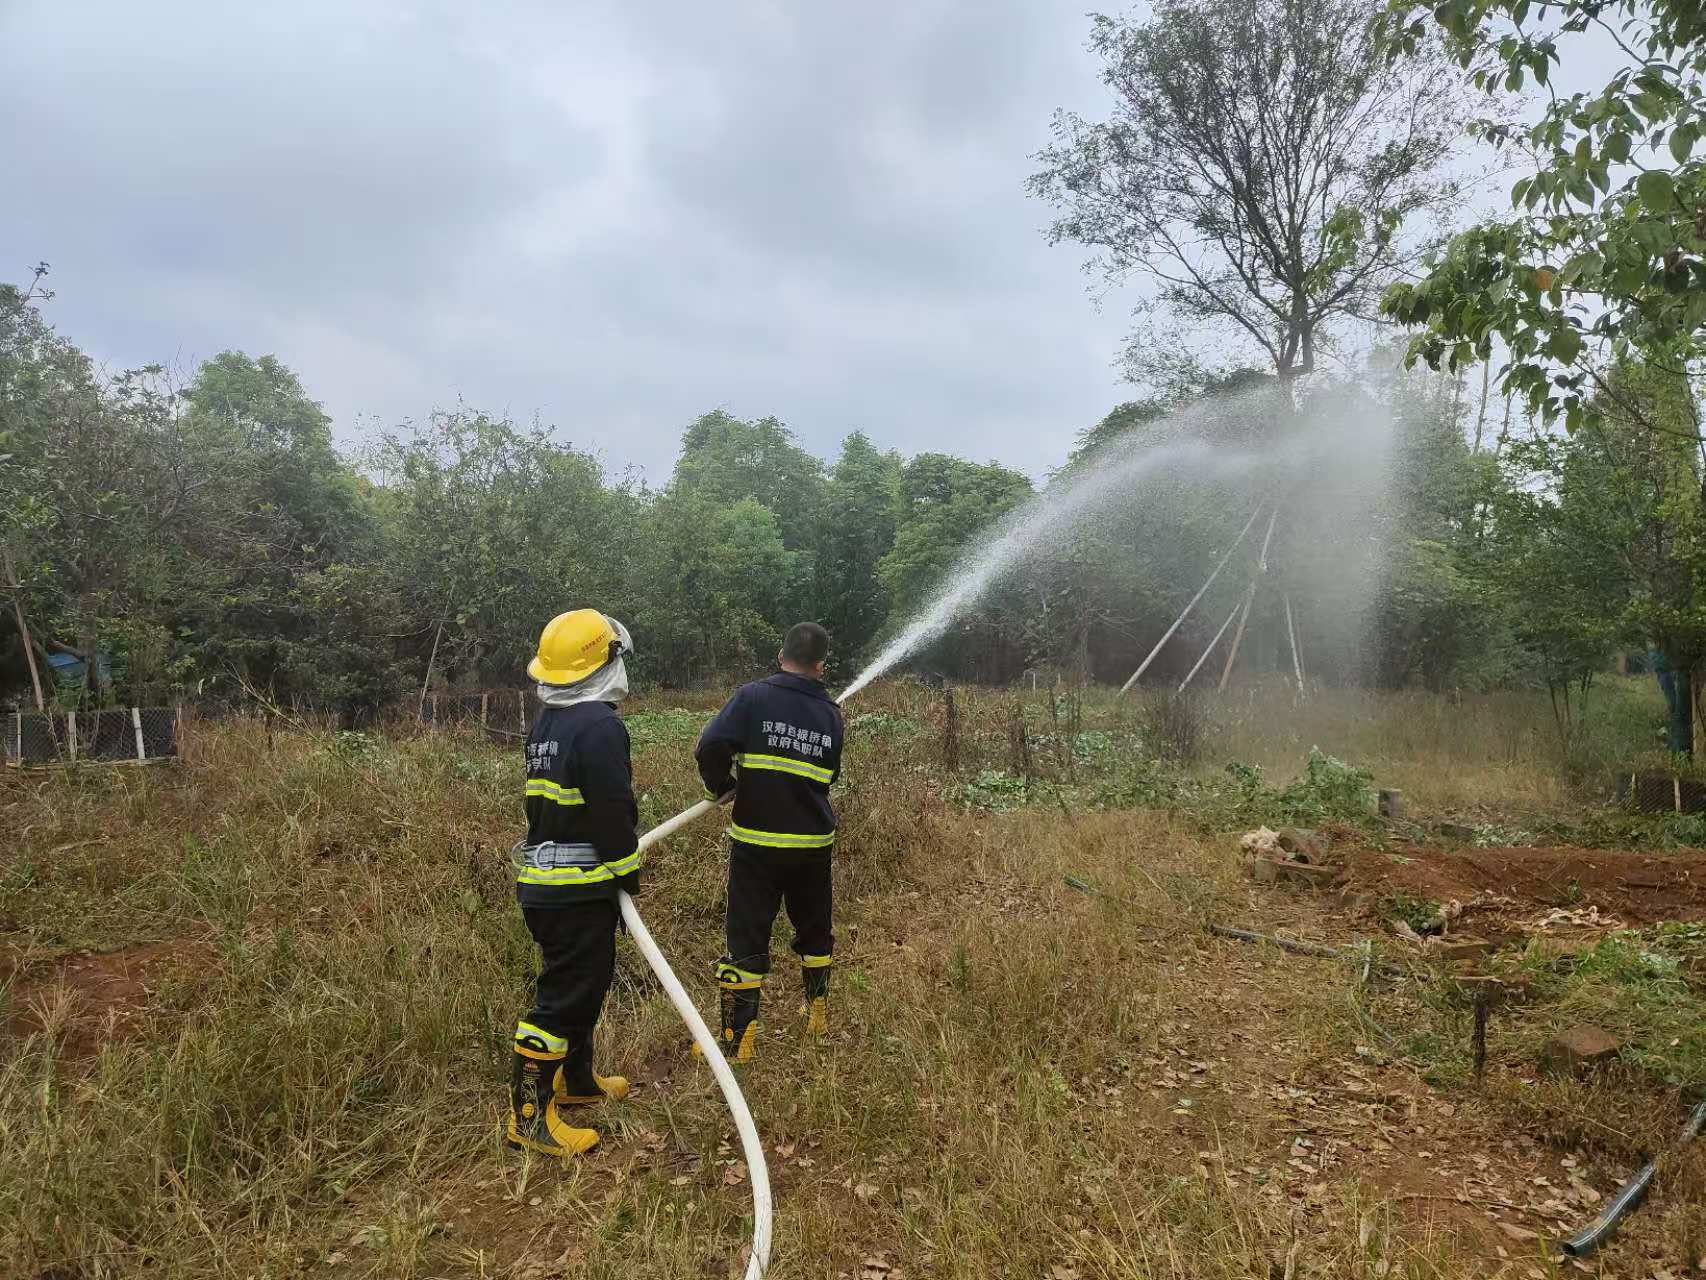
(787, 764)
(565, 875)
(548, 790)
(781, 839)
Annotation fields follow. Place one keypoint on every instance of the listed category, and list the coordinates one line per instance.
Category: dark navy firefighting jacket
(784, 735)
(581, 814)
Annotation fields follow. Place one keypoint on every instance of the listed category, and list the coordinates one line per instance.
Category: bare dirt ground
(90, 997)
(1635, 888)
(1448, 1159)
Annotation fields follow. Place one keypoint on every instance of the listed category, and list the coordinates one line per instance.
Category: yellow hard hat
(574, 645)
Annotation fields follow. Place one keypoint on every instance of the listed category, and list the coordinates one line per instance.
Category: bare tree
(1260, 165)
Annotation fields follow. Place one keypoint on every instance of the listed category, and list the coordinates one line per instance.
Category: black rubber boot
(740, 1022)
(815, 979)
(576, 1084)
(534, 1123)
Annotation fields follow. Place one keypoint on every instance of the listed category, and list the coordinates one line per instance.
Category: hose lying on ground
(1629, 1195)
(759, 1172)
(1285, 944)
(751, 1147)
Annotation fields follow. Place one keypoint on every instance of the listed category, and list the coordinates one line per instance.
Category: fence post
(18, 720)
(521, 710)
(136, 724)
(71, 731)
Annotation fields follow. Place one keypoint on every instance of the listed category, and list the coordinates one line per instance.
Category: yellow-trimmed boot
(740, 1025)
(814, 974)
(575, 1084)
(740, 999)
(534, 1123)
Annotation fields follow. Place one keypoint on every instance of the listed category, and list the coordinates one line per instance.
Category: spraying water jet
(1048, 515)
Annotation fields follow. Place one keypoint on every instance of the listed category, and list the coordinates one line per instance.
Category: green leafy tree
(724, 459)
(946, 502)
(96, 480)
(856, 530)
(492, 528)
(1437, 620)
(289, 509)
(1603, 258)
(718, 584)
(1594, 543)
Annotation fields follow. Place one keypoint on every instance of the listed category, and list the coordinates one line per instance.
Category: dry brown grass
(1023, 1081)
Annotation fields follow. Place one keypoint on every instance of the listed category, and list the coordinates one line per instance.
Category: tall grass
(317, 1078)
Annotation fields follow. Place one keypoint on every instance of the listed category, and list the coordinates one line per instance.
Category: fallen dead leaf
(735, 1174)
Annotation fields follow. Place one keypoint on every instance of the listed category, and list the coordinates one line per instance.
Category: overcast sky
(614, 215)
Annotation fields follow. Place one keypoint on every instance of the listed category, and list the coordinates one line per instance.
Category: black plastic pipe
(1629, 1196)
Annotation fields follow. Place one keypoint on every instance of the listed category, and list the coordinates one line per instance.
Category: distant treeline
(210, 541)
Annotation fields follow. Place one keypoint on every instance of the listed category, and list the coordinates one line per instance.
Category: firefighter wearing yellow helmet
(581, 848)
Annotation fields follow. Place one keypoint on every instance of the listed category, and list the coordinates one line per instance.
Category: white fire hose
(750, 1144)
(758, 1171)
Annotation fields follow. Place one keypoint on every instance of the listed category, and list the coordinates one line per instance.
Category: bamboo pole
(431, 659)
(1168, 634)
(1249, 599)
(1291, 631)
(1192, 673)
(23, 627)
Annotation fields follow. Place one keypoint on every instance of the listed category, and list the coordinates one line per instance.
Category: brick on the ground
(1449, 951)
(1302, 875)
(1579, 1050)
(1303, 844)
(1307, 875)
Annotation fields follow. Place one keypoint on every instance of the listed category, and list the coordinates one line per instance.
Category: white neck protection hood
(608, 684)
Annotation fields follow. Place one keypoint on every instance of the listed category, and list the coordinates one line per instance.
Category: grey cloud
(615, 216)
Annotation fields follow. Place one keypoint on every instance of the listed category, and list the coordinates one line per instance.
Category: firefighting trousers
(577, 960)
(761, 880)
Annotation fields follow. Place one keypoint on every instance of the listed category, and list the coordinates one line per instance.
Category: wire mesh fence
(119, 735)
(139, 735)
(1656, 791)
(503, 714)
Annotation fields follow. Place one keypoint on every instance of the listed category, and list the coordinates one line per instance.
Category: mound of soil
(108, 990)
(1636, 888)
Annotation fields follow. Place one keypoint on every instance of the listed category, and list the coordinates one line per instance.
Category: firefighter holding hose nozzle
(774, 749)
(580, 850)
